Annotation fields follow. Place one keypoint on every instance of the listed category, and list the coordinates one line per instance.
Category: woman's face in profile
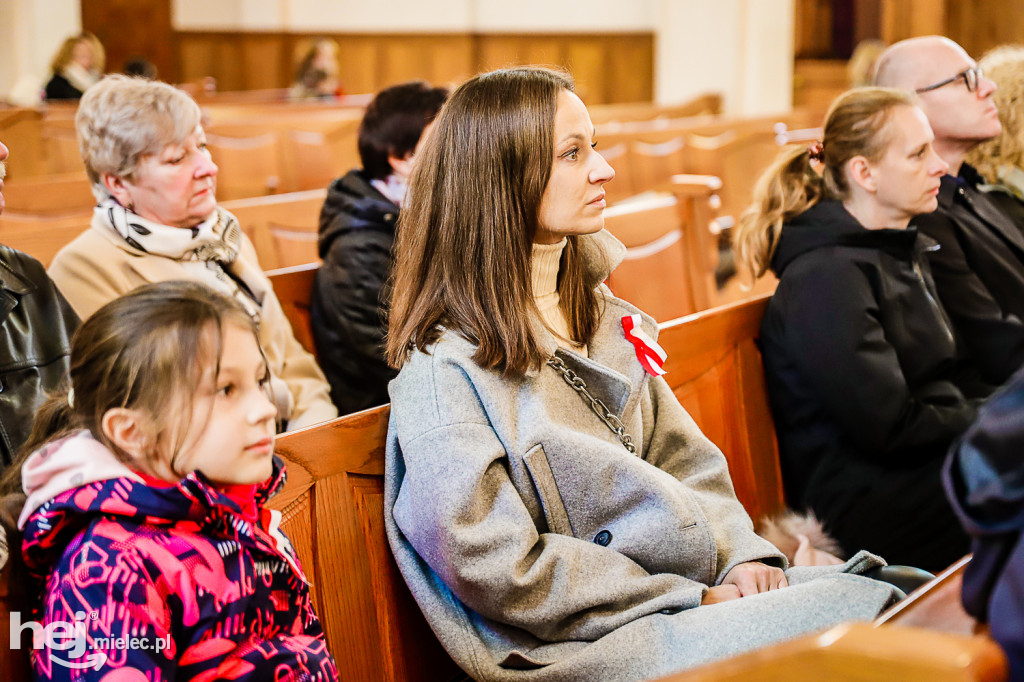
(907, 176)
(573, 201)
(176, 186)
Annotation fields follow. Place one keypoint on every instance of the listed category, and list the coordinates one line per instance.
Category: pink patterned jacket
(158, 581)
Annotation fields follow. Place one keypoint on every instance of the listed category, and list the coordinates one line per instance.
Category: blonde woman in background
(76, 67)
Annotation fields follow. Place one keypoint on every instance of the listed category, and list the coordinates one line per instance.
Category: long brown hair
(464, 242)
(856, 125)
(145, 351)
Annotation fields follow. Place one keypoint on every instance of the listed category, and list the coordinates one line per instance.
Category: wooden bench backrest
(50, 195)
(333, 509)
(714, 368)
(248, 166)
(294, 289)
(667, 270)
(41, 237)
(295, 212)
(21, 131)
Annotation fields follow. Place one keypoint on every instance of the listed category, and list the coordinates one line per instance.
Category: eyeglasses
(970, 76)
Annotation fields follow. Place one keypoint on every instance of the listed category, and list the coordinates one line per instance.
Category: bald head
(917, 62)
(956, 99)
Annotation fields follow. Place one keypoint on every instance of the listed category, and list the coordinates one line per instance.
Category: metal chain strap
(599, 408)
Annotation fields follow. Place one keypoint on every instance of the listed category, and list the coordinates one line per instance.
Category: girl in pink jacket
(146, 543)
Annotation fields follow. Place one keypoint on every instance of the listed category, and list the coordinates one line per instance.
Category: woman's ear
(117, 188)
(860, 172)
(129, 431)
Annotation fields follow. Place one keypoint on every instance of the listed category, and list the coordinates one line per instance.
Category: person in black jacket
(867, 384)
(357, 228)
(36, 325)
(979, 271)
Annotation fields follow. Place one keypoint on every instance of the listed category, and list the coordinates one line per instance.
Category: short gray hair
(122, 119)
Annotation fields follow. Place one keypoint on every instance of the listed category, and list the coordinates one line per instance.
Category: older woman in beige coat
(158, 219)
(555, 512)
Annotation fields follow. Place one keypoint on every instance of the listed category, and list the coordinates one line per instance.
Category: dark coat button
(603, 538)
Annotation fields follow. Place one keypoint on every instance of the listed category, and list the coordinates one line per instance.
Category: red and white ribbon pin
(648, 352)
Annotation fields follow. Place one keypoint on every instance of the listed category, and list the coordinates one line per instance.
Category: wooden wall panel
(358, 64)
(264, 60)
(980, 26)
(608, 67)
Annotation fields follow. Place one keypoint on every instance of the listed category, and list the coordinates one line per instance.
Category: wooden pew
(333, 512)
(293, 287)
(264, 218)
(21, 131)
(50, 195)
(856, 652)
(667, 270)
(41, 237)
(248, 166)
(702, 105)
(714, 369)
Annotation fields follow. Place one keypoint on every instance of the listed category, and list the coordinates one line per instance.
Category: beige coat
(98, 266)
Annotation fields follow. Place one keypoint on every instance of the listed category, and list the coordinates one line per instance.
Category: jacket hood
(984, 475)
(828, 224)
(352, 203)
(73, 480)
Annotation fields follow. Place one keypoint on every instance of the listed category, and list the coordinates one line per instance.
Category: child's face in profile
(231, 436)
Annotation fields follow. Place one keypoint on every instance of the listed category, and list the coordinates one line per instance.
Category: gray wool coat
(539, 548)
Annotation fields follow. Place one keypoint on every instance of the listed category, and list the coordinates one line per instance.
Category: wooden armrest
(935, 605)
(859, 652)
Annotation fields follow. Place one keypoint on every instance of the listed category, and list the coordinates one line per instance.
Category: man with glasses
(979, 265)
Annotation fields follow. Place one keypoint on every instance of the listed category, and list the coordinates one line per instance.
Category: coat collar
(966, 185)
(611, 371)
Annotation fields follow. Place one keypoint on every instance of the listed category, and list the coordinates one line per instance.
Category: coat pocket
(550, 499)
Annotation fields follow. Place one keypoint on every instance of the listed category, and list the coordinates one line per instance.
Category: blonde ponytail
(788, 188)
(856, 125)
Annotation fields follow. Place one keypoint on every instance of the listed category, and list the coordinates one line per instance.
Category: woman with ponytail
(867, 386)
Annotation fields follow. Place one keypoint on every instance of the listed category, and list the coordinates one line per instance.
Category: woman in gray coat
(554, 510)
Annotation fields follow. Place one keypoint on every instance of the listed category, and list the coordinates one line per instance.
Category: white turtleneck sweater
(544, 272)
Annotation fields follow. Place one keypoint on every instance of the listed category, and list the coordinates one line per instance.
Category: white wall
(565, 16)
(397, 16)
(742, 48)
(30, 33)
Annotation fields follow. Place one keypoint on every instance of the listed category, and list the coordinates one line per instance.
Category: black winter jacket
(349, 306)
(979, 271)
(36, 325)
(60, 88)
(866, 386)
